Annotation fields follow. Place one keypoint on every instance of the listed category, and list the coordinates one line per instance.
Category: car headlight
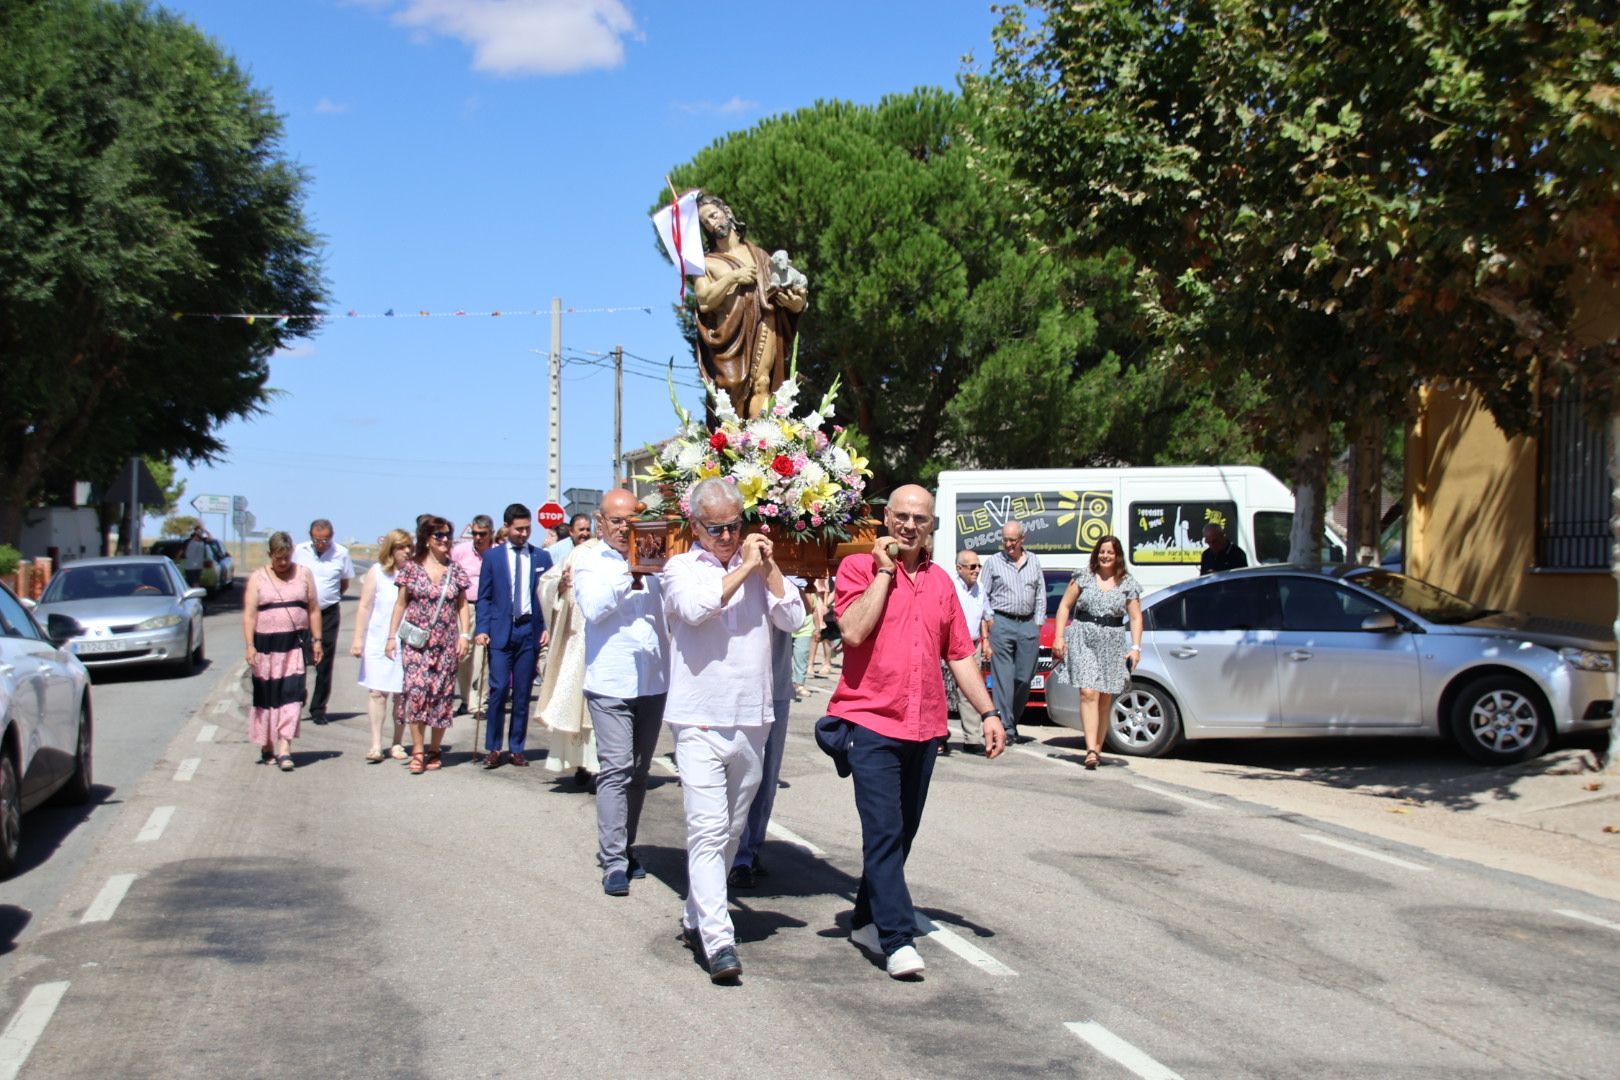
(1587, 660)
(158, 622)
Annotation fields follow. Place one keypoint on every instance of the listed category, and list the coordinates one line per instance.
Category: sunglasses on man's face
(724, 527)
(480, 533)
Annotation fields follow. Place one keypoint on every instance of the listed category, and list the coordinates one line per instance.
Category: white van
(1158, 514)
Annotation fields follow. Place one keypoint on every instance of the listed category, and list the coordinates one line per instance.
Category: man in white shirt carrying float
(721, 599)
(332, 569)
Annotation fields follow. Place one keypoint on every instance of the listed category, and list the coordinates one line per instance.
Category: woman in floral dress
(278, 609)
(1092, 648)
(430, 672)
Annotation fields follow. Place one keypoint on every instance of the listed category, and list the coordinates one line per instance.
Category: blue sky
(487, 155)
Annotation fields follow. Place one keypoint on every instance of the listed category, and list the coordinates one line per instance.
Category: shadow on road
(13, 920)
(45, 829)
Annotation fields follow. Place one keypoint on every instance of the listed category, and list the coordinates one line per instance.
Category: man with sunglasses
(722, 598)
(626, 679)
(469, 555)
(900, 617)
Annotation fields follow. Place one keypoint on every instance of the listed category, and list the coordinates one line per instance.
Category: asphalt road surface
(213, 917)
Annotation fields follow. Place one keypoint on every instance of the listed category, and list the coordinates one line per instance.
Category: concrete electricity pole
(554, 443)
(618, 413)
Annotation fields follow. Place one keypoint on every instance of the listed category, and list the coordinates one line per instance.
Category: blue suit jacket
(495, 596)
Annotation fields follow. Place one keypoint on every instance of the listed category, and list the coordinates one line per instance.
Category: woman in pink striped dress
(278, 609)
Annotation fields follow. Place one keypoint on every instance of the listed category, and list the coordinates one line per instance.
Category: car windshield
(107, 582)
(1055, 586)
(1434, 604)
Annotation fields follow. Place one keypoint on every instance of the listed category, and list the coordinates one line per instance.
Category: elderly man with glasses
(626, 680)
(469, 555)
(723, 597)
(970, 595)
(1010, 633)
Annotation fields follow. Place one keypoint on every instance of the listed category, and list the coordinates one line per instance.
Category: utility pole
(554, 443)
(618, 413)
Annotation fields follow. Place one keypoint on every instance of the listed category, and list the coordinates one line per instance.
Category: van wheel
(10, 817)
(1500, 720)
(1144, 722)
(76, 791)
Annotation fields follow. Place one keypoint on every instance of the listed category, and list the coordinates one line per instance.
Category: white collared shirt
(330, 570)
(720, 655)
(972, 601)
(515, 562)
(625, 640)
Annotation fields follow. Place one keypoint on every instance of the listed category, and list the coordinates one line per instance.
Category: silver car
(1352, 650)
(130, 610)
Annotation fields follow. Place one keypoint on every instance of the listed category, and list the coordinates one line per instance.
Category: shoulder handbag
(417, 636)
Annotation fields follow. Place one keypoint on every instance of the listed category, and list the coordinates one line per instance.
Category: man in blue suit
(513, 628)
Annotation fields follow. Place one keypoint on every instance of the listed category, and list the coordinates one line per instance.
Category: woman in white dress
(381, 674)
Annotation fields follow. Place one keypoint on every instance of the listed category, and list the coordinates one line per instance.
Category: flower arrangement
(793, 476)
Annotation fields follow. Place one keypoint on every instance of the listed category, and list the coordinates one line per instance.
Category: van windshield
(1271, 529)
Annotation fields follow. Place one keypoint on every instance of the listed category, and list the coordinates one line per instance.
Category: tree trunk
(1611, 757)
(1309, 477)
(1367, 491)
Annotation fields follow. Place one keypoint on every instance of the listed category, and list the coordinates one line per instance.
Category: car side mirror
(194, 594)
(1381, 623)
(28, 605)
(61, 628)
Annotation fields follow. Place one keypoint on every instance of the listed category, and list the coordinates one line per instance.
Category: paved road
(352, 920)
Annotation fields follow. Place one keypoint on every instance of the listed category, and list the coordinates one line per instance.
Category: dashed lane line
(1109, 1045)
(1364, 852)
(101, 909)
(208, 732)
(783, 833)
(1584, 917)
(187, 769)
(27, 1025)
(155, 825)
(1202, 804)
(222, 707)
(961, 946)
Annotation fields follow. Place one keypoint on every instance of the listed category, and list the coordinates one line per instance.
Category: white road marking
(666, 764)
(224, 706)
(1109, 1045)
(1038, 756)
(188, 768)
(27, 1025)
(1584, 917)
(783, 833)
(155, 824)
(1367, 852)
(961, 946)
(107, 900)
(1202, 804)
(208, 732)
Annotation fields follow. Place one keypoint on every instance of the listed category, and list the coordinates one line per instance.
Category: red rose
(783, 465)
(718, 440)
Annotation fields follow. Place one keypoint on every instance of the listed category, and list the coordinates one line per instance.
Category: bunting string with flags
(317, 318)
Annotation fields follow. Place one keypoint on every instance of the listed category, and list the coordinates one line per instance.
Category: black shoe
(636, 871)
(741, 877)
(691, 939)
(616, 883)
(724, 965)
(319, 718)
(1019, 740)
(945, 748)
(759, 867)
(973, 748)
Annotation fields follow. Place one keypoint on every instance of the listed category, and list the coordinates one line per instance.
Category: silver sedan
(131, 610)
(1278, 651)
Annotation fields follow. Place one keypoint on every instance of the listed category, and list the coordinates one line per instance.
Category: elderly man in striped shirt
(1014, 610)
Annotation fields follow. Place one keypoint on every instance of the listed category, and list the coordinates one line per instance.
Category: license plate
(86, 647)
(1038, 683)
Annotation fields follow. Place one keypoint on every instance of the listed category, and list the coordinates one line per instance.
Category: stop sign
(550, 516)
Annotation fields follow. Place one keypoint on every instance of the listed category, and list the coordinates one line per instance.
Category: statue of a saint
(747, 316)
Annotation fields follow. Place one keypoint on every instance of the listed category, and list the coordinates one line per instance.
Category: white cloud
(295, 351)
(528, 37)
(736, 104)
(327, 105)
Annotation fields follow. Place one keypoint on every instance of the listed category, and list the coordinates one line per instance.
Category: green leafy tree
(140, 177)
(173, 490)
(959, 339)
(1334, 198)
(179, 525)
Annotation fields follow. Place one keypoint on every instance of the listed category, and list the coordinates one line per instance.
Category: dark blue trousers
(891, 785)
(511, 674)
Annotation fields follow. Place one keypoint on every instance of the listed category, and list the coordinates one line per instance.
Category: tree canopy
(959, 338)
(141, 184)
(1334, 198)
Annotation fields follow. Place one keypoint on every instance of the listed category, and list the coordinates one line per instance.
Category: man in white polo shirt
(721, 598)
(329, 564)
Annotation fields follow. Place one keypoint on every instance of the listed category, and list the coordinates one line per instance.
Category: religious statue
(748, 310)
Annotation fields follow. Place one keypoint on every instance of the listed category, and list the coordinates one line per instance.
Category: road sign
(238, 503)
(550, 516)
(243, 521)
(212, 504)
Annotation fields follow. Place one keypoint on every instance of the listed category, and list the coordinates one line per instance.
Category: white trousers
(720, 771)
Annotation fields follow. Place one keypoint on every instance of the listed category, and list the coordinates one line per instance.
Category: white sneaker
(905, 961)
(867, 938)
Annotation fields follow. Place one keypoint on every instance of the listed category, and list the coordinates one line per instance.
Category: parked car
(45, 731)
(1035, 709)
(1353, 650)
(134, 609)
(219, 560)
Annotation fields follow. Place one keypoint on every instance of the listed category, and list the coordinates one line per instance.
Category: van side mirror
(1381, 623)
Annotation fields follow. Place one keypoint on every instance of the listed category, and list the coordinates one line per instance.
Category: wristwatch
(987, 715)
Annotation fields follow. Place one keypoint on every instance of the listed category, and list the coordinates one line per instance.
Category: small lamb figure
(784, 275)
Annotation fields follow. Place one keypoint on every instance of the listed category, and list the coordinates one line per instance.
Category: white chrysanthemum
(767, 433)
(690, 457)
(839, 458)
(667, 453)
(812, 475)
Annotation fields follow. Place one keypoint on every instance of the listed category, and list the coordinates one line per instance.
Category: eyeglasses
(617, 522)
(918, 520)
(441, 536)
(965, 567)
(479, 533)
(724, 527)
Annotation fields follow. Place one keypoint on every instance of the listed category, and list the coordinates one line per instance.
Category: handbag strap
(444, 590)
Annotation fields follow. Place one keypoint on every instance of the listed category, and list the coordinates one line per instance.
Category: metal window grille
(1575, 490)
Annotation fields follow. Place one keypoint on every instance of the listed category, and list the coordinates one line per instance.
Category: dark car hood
(1557, 633)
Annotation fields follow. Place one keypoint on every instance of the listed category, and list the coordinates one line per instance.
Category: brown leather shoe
(492, 760)
(520, 761)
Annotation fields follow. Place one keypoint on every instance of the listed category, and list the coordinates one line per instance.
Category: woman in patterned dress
(430, 672)
(1095, 651)
(278, 609)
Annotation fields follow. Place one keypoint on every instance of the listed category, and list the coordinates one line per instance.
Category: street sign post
(550, 516)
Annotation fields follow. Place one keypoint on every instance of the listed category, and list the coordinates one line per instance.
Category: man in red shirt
(899, 617)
